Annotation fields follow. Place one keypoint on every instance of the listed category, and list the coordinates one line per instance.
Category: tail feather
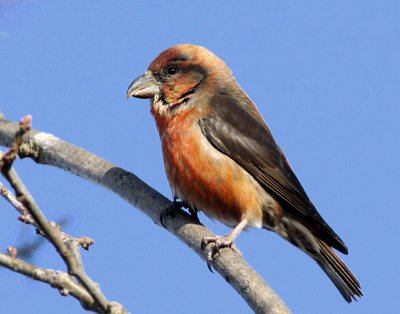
(338, 272)
(301, 236)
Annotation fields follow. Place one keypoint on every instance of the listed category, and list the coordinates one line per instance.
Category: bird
(220, 158)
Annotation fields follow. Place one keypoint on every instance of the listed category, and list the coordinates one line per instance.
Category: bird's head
(179, 73)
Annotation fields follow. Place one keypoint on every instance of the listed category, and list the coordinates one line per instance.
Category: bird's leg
(222, 242)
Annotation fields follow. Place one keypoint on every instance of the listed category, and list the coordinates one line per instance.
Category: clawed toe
(194, 214)
(218, 243)
(169, 212)
(235, 249)
(174, 206)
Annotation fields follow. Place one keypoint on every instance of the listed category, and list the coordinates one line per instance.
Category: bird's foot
(169, 211)
(176, 205)
(193, 212)
(218, 243)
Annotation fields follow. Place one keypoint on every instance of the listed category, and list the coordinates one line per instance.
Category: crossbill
(220, 158)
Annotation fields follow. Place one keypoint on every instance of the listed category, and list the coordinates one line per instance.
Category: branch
(60, 280)
(89, 293)
(66, 246)
(45, 148)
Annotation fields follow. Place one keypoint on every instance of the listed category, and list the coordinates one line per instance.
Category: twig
(66, 246)
(44, 148)
(17, 205)
(16, 183)
(58, 279)
(8, 158)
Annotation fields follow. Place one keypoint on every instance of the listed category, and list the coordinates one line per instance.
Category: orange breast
(205, 178)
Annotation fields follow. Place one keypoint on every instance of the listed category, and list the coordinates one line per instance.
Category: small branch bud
(12, 251)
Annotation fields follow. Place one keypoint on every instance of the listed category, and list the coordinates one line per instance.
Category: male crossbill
(220, 158)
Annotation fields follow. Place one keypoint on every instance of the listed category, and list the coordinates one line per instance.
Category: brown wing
(237, 130)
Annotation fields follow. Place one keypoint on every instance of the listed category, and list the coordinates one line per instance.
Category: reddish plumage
(221, 158)
(205, 179)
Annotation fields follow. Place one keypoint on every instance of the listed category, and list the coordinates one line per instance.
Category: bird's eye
(172, 70)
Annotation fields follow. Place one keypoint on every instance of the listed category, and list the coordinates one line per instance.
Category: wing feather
(237, 130)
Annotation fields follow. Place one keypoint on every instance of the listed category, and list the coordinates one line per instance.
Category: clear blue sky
(325, 76)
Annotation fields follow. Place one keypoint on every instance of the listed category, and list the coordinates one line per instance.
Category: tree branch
(60, 280)
(68, 247)
(46, 149)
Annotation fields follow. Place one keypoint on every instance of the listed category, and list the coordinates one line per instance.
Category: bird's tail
(338, 272)
(302, 237)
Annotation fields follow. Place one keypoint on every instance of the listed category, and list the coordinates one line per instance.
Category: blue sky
(325, 76)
